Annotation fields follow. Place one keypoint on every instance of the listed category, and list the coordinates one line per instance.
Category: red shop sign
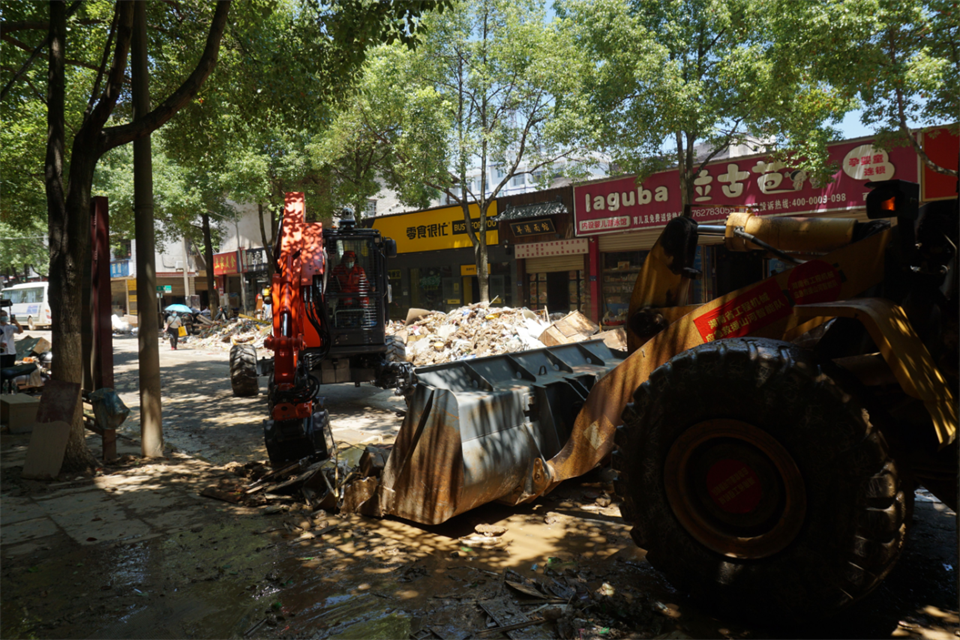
(770, 188)
(225, 264)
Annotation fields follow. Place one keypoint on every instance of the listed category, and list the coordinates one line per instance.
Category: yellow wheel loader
(767, 442)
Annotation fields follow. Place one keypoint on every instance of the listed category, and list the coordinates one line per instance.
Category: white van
(31, 304)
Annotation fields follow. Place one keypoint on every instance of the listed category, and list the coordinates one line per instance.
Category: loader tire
(243, 370)
(757, 484)
(396, 350)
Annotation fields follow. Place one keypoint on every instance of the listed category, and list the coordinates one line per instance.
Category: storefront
(119, 276)
(435, 267)
(627, 218)
(553, 269)
(227, 271)
(256, 275)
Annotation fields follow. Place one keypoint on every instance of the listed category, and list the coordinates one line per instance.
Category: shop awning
(535, 210)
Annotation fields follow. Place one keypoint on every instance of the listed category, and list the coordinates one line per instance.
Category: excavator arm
(297, 425)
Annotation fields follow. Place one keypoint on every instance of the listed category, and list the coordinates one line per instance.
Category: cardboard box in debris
(576, 327)
(478, 330)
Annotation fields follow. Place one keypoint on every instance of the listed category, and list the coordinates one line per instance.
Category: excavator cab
(356, 284)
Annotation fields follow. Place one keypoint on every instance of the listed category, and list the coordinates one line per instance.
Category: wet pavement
(137, 553)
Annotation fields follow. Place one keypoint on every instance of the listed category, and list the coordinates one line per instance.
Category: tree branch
(915, 143)
(68, 61)
(111, 93)
(103, 61)
(36, 53)
(116, 136)
(41, 25)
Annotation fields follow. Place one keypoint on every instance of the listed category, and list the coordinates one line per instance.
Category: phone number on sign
(834, 197)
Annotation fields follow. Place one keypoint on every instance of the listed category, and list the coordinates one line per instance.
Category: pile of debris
(478, 330)
(325, 484)
(474, 331)
(223, 335)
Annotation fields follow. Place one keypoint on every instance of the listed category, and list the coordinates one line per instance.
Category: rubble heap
(223, 335)
(473, 331)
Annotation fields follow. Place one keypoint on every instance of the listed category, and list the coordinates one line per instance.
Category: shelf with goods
(617, 290)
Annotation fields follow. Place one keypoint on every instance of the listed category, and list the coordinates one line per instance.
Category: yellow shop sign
(471, 269)
(436, 229)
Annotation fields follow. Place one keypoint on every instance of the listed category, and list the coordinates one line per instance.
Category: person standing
(267, 304)
(8, 348)
(172, 327)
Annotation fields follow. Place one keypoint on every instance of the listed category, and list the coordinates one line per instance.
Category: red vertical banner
(593, 276)
(943, 148)
(101, 295)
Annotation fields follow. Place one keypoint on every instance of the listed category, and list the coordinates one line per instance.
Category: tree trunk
(69, 245)
(267, 242)
(213, 297)
(73, 284)
(482, 258)
(148, 321)
(69, 208)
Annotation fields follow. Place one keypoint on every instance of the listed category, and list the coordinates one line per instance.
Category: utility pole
(241, 268)
(151, 415)
(186, 275)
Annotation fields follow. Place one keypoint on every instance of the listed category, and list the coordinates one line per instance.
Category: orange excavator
(328, 327)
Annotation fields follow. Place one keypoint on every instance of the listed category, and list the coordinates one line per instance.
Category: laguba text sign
(769, 188)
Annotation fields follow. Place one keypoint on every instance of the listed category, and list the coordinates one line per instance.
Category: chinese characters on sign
(555, 248)
(865, 163)
(758, 307)
(225, 264)
(532, 227)
(428, 231)
(436, 229)
(814, 282)
(254, 259)
(767, 187)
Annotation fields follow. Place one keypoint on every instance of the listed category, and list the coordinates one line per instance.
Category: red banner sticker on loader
(814, 282)
(734, 486)
(756, 308)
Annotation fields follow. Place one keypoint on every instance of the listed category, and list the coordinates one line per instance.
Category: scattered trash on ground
(223, 335)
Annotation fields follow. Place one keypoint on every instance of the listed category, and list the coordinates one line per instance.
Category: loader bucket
(480, 430)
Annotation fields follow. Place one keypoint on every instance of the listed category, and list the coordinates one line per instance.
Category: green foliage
(492, 84)
(684, 79)
(282, 64)
(179, 197)
(24, 247)
(907, 71)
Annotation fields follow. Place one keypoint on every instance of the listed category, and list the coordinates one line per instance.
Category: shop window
(620, 270)
(559, 292)
(735, 270)
(426, 287)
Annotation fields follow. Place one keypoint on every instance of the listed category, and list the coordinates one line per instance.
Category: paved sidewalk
(136, 502)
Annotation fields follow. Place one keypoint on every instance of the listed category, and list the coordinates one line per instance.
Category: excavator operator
(351, 279)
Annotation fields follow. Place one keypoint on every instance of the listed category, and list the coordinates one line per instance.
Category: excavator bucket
(482, 430)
